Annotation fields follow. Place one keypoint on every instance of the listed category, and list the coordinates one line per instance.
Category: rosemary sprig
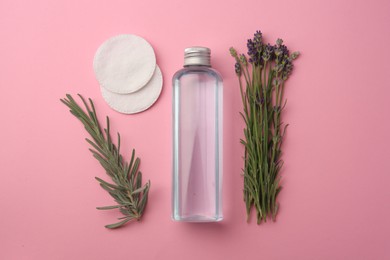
(127, 189)
(264, 75)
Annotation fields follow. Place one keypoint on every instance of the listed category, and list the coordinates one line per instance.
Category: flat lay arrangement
(130, 81)
(194, 130)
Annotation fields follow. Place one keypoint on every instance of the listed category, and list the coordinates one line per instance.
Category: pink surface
(335, 201)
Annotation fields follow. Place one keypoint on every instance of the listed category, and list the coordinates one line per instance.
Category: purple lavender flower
(252, 52)
(283, 60)
(255, 47)
(287, 69)
(280, 50)
(268, 53)
(258, 40)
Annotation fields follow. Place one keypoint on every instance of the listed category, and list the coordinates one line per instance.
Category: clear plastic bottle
(197, 139)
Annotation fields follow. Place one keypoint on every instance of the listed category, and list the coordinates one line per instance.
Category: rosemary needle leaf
(109, 207)
(127, 191)
(139, 180)
(135, 167)
(130, 164)
(144, 199)
(119, 224)
(108, 184)
(139, 190)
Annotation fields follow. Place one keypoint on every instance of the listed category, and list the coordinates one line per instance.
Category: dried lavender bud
(268, 53)
(258, 41)
(283, 64)
(294, 55)
(278, 68)
(287, 70)
(243, 60)
(252, 52)
(281, 51)
(287, 65)
(233, 52)
(237, 68)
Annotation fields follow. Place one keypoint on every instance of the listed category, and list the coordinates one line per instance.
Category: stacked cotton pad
(125, 67)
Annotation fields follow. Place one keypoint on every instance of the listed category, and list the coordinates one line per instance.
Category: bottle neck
(196, 65)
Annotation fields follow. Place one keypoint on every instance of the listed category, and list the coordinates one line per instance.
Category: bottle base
(197, 218)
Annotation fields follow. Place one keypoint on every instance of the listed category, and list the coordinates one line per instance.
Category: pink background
(335, 201)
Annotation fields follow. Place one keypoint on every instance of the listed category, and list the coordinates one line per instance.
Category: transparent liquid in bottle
(197, 144)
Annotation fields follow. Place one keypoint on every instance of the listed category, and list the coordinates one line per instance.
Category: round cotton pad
(137, 101)
(124, 63)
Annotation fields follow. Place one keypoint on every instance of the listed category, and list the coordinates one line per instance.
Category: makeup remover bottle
(197, 139)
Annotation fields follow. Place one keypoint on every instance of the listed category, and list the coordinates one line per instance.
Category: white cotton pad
(124, 63)
(137, 101)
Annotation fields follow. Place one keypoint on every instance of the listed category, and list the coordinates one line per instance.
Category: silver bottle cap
(197, 56)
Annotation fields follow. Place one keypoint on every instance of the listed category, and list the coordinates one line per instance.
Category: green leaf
(108, 189)
(135, 167)
(139, 190)
(144, 200)
(119, 224)
(100, 150)
(109, 184)
(139, 180)
(119, 146)
(130, 164)
(109, 207)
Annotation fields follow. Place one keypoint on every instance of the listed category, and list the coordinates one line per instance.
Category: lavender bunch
(264, 74)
